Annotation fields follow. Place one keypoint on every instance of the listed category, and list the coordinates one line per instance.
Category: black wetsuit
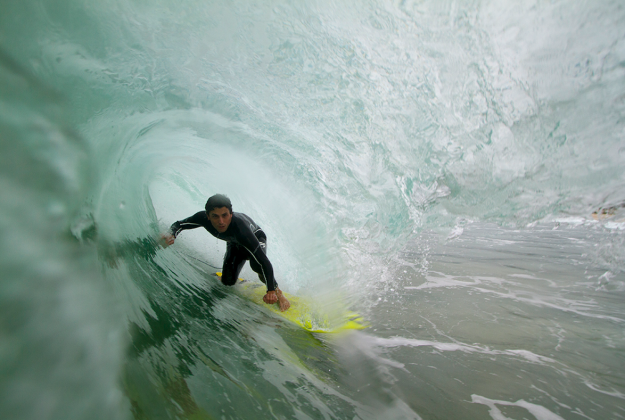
(246, 241)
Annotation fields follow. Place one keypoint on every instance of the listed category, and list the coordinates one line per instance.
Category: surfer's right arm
(195, 221)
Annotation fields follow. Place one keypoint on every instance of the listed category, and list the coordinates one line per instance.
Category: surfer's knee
(228, 280)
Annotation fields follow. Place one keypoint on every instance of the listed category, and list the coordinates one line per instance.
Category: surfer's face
(220, 218)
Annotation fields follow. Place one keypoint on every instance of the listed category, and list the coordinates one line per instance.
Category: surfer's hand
(276, 296)
(167, 239)
(270, 298)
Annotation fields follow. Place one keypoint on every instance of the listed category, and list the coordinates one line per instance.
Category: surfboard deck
(302, 311)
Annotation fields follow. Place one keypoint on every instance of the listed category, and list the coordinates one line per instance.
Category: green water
(434, 166)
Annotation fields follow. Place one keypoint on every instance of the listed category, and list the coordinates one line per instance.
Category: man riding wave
(245, 241)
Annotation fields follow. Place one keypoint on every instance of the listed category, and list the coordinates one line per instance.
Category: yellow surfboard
(301, 312)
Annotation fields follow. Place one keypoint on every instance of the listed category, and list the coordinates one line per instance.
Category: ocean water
(451, 170)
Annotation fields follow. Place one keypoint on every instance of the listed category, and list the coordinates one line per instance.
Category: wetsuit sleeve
(252, 244)
(197, 220)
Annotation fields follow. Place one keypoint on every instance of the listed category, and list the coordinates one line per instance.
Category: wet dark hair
(218, 201)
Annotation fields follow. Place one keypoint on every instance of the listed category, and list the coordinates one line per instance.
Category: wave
(350, 132)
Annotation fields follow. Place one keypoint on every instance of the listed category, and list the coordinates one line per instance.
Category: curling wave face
(353, 133)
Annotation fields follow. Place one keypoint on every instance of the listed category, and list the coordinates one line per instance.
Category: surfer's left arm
(274, 294)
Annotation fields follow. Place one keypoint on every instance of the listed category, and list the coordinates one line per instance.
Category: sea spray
(61, 346)
(453, 170)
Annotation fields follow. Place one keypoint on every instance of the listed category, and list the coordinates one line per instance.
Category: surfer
(246, 241)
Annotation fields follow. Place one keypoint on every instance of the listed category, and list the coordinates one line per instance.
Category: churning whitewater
(450, 170)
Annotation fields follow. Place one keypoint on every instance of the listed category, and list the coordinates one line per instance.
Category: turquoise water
(453, 171)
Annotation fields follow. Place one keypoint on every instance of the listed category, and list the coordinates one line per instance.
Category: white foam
(538, 411)
(467, 348)
(537, 299)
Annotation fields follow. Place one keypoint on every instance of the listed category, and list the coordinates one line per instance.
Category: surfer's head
(219, 212)
(218, 201)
